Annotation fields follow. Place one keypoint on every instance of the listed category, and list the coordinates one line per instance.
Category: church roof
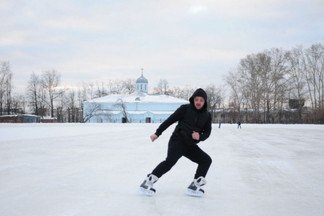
(140, 98)
(142, 79)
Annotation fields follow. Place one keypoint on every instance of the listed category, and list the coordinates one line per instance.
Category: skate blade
(146, 192)
(194, 193)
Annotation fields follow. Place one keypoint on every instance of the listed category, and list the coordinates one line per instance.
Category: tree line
(273, 86)
(268, 82)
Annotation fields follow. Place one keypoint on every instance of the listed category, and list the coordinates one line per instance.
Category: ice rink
(95, 169)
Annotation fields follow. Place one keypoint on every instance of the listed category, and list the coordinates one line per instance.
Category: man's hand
(195, 135)
(153, 137)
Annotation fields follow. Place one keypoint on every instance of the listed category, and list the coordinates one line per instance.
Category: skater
(239, 124)
(194, 125)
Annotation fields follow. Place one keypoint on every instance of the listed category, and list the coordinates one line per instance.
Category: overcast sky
(186, 42)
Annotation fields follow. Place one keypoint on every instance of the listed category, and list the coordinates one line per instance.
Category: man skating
(194, 125)
(239, 124)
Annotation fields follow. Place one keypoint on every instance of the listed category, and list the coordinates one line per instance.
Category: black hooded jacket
(189, 120)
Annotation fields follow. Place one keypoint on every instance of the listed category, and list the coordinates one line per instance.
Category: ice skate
(146, 188)
(194, 188)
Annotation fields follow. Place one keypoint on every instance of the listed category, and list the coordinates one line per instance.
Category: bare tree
(162, 87)
(101, 89)
(296, 79)
(33, 93)
(121, 105)
(90, 90)
(90, 110)
(249, 72)
(50, 81)
(314, 73)
(114, 87)
(275, 82)
(19, 104)
(82, 96)
(182, 92)
(128, 86)
(237, 99)
(215, 98)
(5, 87)
(73, 110)
(8, 95)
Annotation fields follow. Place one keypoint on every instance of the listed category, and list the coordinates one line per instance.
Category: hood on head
(201, 93)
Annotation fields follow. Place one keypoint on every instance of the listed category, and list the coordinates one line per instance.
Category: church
(139, 107)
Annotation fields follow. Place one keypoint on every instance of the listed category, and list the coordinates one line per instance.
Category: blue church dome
(142, 79)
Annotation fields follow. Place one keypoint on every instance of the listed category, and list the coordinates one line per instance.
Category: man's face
(199, 102)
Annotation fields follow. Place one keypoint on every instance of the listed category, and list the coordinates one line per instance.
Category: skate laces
(151, 179)
(199, 182)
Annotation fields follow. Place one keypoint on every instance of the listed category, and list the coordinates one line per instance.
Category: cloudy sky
(186, 42)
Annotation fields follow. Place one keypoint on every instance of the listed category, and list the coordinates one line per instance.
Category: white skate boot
(194, 188)
(146, 187)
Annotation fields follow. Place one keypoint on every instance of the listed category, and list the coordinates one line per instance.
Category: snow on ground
(95, 169)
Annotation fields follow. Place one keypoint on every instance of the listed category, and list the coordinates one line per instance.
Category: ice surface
(96, 169)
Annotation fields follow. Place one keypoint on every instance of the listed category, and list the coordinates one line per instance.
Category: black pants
(178, 148)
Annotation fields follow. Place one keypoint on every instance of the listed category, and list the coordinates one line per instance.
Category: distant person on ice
(239, 124)
(194, 125)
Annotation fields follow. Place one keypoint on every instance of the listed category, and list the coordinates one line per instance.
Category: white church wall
(162, 112)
